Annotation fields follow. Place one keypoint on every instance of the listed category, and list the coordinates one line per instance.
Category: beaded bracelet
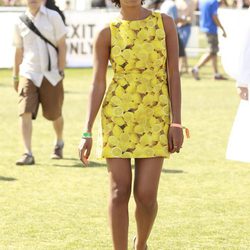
(86, 135)
(176, 125)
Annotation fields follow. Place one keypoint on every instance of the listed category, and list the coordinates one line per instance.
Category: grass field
(204, 200)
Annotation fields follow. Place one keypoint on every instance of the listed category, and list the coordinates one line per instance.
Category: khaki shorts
(213, 43)
(50, 97)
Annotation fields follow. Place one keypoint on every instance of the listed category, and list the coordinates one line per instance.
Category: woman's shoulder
(167, 19)
(168, 24)
(104, 33)
(104, 29)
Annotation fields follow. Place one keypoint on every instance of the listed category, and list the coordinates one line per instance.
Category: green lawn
(204, 200)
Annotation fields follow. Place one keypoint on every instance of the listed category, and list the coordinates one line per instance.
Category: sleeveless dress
(135, 110)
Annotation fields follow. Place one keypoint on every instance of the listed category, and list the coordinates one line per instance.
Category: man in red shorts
(38, 73)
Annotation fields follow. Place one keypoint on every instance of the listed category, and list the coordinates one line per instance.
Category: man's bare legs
(203, 60)
(58, 127)
(183, 64)
(26, 130)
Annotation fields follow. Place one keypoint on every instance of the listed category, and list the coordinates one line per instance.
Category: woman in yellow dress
(137, 121)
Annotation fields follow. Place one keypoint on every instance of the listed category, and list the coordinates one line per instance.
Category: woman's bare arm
(173, 68)
(101, 57)
(175, 134)
(102, 46)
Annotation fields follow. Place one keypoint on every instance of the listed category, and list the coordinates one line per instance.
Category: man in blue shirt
(209, 23)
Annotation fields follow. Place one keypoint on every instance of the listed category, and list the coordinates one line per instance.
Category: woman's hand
(243, 93)
(175, 139)
(84, 149)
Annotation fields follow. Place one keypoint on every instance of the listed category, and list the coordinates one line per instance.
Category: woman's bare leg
(120, 190)
(147, 175)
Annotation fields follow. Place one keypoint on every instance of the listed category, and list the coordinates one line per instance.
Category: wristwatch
(61, 73)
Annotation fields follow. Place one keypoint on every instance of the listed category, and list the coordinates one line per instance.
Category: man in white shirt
(41, 71)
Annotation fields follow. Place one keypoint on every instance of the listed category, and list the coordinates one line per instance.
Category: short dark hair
(117, 2)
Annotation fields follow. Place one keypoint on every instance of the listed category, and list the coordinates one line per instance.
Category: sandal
(134, 240)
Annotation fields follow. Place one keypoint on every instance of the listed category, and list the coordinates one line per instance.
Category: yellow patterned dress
(135, 111)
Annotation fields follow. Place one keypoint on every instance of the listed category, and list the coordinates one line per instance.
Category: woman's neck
(133, 13)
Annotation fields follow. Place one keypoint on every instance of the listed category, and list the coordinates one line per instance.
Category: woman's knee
(145, 198)
(120, 195)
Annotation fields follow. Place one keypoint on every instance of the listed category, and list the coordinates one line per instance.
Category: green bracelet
(86, 135)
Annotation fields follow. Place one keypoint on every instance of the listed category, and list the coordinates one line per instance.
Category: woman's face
(130, 3)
